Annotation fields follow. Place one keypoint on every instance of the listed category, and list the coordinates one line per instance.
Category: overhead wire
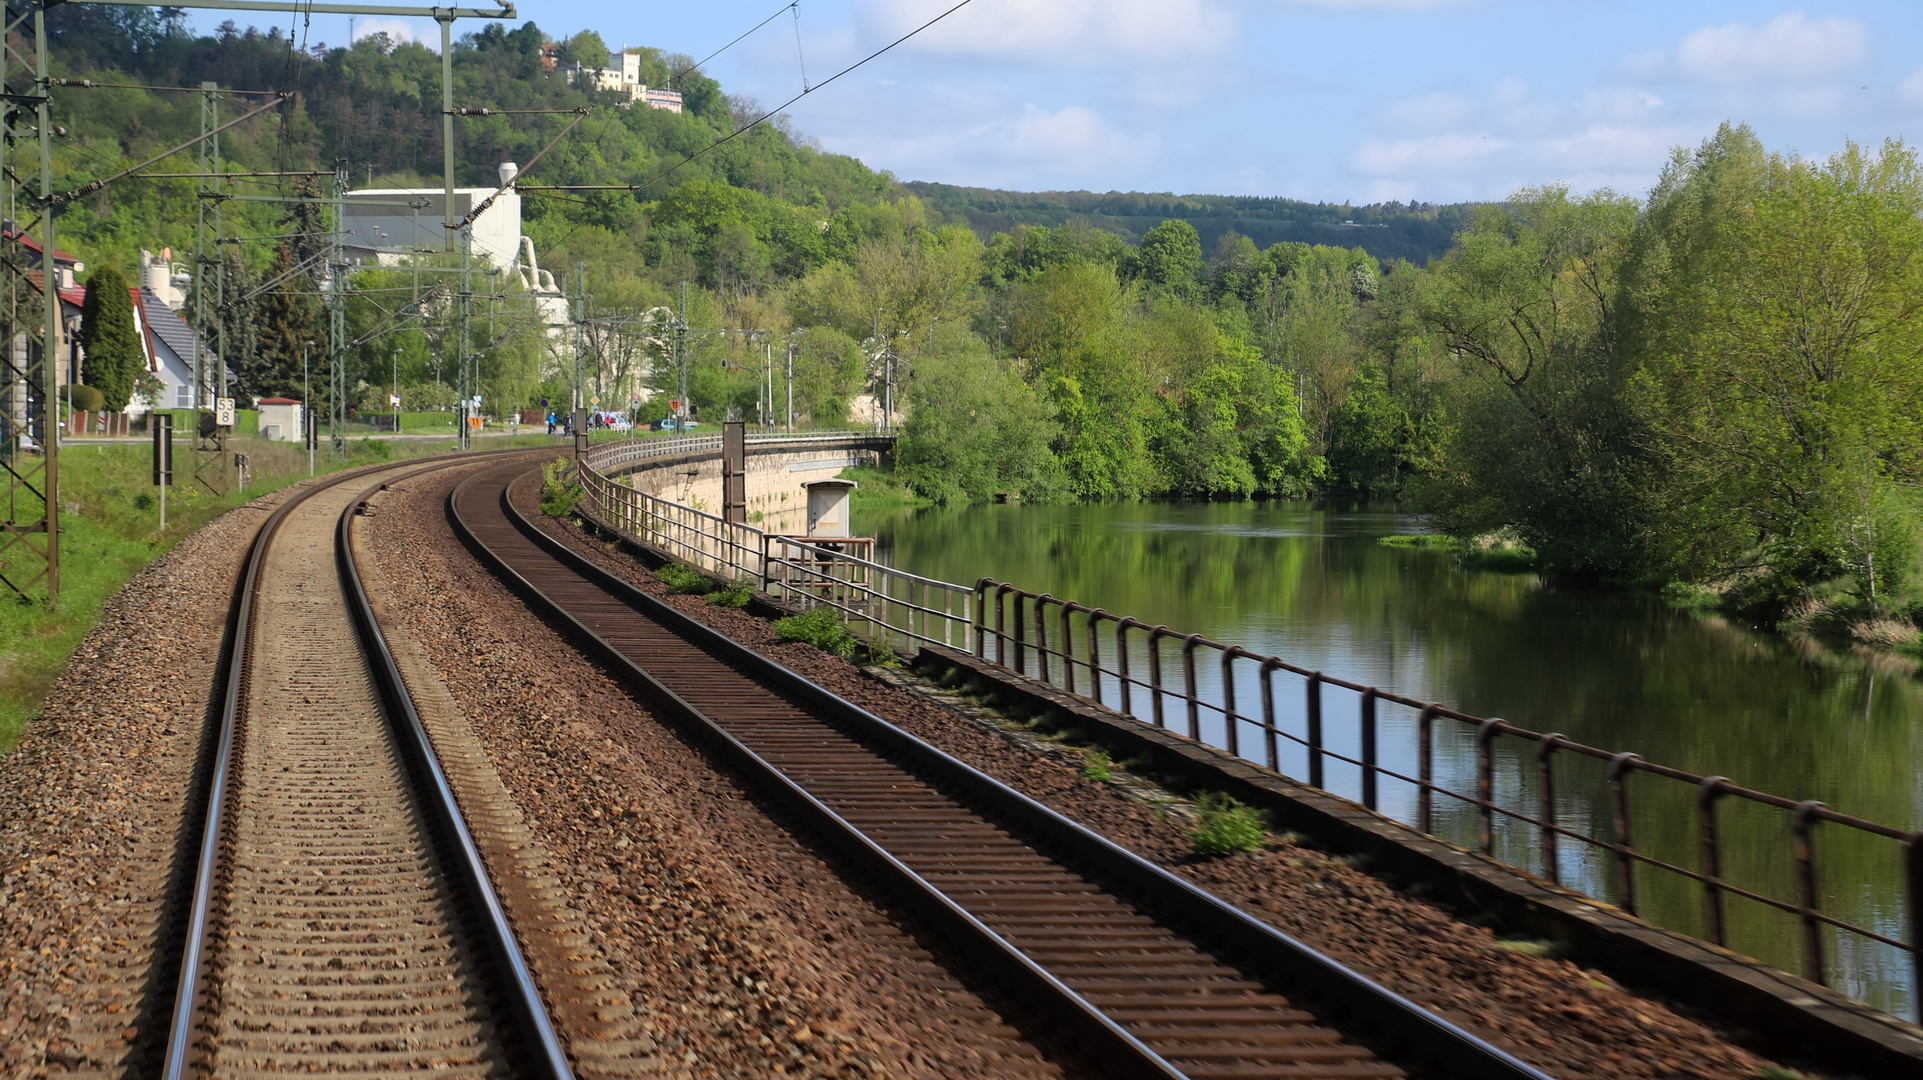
(673, 78)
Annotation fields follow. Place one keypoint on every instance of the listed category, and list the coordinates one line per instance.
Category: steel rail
(1393, 1020)
(234, 672)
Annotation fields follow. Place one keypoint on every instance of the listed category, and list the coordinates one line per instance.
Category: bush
(380, 449)
(87, 398)
(681, 578)
(1095, 765)
(1695, 599)
(1226, 827)
(821, 627)
(736, 595)
(559, 493)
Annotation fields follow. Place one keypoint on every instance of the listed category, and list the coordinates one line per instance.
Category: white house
(387, 225)
(170, 345)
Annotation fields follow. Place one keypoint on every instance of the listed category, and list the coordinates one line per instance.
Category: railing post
(1619, 767)
(1269, 664)
(1155, 671)
(1426, 770)
(1095, 654)
(1021, 635)
(1124, 686)
(1368, 748)
(1228, 700)
(1068, 647)
(1486, 784)
(981, 621)
(1913, 867)
(1001, 630)
(1314, 706)
(1710, 856)
(1188, 682)
(1546, 804)
(1802, 825)
(1041, 635)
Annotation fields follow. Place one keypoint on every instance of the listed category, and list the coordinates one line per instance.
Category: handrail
(976, 619)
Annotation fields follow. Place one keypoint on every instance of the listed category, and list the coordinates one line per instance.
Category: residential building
(170, 345)
(386, 225)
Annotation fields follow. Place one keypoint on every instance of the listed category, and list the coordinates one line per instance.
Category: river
(1308, 581)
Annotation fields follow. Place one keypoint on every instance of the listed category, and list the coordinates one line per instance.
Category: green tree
(1778, 308)
(114, 356)
(284, 323)
(975, 429)
(1170, 258)
(1544, 440)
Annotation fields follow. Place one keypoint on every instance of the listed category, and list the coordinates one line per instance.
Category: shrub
(1225, 826)
(559, 493)
(377, 448)
(1095, 765)
(1686, 596)
(681, 578)
(821, 627)
(87, 398)
(736, 595)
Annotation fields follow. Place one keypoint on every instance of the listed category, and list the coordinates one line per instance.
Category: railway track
(1142, 972)
(342, 921)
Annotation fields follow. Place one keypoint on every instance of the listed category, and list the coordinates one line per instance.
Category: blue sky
(1338, 100)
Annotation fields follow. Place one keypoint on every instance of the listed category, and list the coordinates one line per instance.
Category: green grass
(821, 627)
(1422, 541)
(736, 595)
(1095, 766)
(1498, 552)
(1224, 826)
(110, 533)
(881, 487)
(682, 578)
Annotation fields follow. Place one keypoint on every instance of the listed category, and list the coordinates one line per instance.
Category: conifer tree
(114, 356)
(283, 321)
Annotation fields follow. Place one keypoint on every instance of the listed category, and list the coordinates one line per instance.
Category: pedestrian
(550, 423)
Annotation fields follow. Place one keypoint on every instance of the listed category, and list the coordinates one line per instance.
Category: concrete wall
(777, 502)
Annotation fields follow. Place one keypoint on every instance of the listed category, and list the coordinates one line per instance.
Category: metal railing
(604, 457)
(997, 636)
(902, 608)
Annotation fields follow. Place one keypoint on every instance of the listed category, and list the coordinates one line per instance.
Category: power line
(771, 112)
(677, 75)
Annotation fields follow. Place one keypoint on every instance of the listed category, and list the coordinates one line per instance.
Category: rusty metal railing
(1007, 616)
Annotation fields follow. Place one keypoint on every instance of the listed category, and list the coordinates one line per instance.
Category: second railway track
(1143, 973)
(342, 920)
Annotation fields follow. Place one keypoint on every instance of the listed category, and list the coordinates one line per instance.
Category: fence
(905, 608)
(1002, 636)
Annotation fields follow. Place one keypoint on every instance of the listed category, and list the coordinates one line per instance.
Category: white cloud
(1442, 147)
(1789, 47)
(1060, 31)
(399, 30)
(1009, 145)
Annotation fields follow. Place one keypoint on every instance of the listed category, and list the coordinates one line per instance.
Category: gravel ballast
(1561, 1017)
(742, 953)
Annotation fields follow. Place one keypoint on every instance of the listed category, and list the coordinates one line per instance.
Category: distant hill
(1417, 232)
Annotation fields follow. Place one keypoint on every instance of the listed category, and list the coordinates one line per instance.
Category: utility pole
(394, 358)
(465, 440)
(337, 315)
(791, 388)
(307, 405)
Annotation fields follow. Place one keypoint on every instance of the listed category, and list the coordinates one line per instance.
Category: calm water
(1308, 582)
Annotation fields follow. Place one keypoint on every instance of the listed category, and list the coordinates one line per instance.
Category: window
(183, 396)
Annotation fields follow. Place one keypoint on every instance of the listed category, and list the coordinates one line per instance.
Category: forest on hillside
(1718, 385)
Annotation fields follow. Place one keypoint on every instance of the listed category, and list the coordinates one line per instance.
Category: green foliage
(1095, 766)
(559, 492)
(976, 430)
(821, 627)
(378, 449)
(1422, 541)
(737, 595)
(682, 578)
(1224, 826)
(114, 355)
(87, 398)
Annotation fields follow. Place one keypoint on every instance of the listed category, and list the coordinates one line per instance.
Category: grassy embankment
(1497, 552)
(114, 534)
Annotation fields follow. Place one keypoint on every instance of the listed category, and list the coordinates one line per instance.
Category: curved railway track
(1145, 974)
(342, 921)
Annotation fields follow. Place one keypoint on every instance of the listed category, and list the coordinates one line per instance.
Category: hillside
(1418, 232)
